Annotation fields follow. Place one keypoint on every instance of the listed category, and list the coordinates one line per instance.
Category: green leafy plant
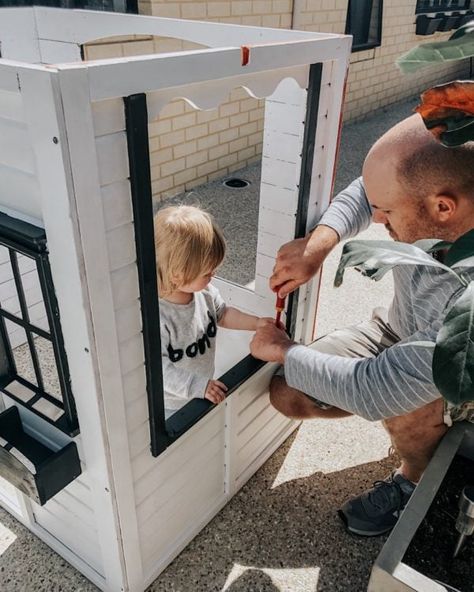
(453, 356)
(458, 47)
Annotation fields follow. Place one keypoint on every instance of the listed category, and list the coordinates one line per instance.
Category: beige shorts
(367, 340)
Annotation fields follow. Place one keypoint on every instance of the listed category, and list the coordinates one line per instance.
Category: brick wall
(190, 147)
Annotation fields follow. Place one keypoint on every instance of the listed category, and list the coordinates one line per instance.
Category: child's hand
(215, 391)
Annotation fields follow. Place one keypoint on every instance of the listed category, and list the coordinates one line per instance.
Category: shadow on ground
(264, 531)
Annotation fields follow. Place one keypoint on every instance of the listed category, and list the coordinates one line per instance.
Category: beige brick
(254, 139)
(195, 183)
(198, 131)
(184, 121)
(138, 48)
(101, 52)
(228, 109)
(163, 184)
(248, 104)
(172, 192)
(208, 142)
(262, 6)
(194, 10)
(282, 6)
(256, 114)
(218, 9)
(246, 153)
(217, 175)
(249, 128)
(228, 135)
(197, 158)
(239, 119)
(227, 160)
(207, 116)
(172, 109)
(161, 156)
(239, 144)
(241, 7)
(156, 128)
(172, 139)
(218, 151)
(219, 125)
(185, 176)
(251, 21)
(184, 149)
(286, 21)
(167, 9)
(271, 20)
(208, 167)
(170, 168)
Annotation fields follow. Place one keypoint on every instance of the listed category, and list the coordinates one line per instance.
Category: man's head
(417, 187)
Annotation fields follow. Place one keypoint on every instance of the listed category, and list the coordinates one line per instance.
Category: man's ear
(442, 207)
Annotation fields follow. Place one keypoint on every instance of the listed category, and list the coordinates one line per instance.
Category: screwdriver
(280, 307)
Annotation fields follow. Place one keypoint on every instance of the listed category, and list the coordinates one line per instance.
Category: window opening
(163, 433)
(364, 23)
(33, 364)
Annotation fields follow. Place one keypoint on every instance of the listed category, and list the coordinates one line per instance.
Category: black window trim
(368, 45)
(163, 433)
(29, 240)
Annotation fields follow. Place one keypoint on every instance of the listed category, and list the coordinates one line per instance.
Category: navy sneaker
(377, 510)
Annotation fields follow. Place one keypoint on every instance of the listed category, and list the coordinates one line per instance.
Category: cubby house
(87, 461)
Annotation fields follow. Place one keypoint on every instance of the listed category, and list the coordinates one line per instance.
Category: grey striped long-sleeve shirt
(399, 380)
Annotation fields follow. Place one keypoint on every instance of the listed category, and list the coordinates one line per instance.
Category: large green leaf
(375, 258)
(462, 249)
(453, 357)
(459, 130)
(456, 48)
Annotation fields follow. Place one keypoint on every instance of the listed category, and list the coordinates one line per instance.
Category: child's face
(201, 282)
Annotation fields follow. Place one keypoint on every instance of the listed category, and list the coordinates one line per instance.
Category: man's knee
(297, 405)
(279, 395)
(427, 419)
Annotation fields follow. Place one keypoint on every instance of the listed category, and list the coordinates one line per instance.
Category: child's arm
(236, 319)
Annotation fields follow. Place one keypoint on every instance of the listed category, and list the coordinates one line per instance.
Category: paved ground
(280, 533)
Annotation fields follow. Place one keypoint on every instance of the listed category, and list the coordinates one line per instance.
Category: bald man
(418, 189)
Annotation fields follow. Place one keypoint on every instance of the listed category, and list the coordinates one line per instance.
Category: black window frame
(121, 6)
(360, 14)
(20, 237)
(165, 432)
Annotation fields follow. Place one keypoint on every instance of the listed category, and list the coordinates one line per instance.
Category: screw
(55, 140)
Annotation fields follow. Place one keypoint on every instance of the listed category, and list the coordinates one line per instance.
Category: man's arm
(394, 383)
(397, 381)
(299, 260)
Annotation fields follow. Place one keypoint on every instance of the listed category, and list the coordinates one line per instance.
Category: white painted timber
(131, 513)
(80, 26)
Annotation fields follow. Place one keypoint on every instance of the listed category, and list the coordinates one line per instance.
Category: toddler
(190, 247)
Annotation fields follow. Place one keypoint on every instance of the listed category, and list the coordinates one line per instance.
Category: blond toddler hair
(188, 243)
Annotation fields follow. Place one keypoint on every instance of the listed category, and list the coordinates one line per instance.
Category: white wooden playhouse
(88, 462)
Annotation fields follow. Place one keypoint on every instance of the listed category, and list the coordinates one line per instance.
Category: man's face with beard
(405, 217)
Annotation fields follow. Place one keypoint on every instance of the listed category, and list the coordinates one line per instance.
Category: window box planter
(427, 25)
(29, 465)
(389, 571)
(448, 22)
(469, 16)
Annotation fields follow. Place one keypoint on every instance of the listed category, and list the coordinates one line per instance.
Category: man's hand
(299, 260)
(270, 343)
